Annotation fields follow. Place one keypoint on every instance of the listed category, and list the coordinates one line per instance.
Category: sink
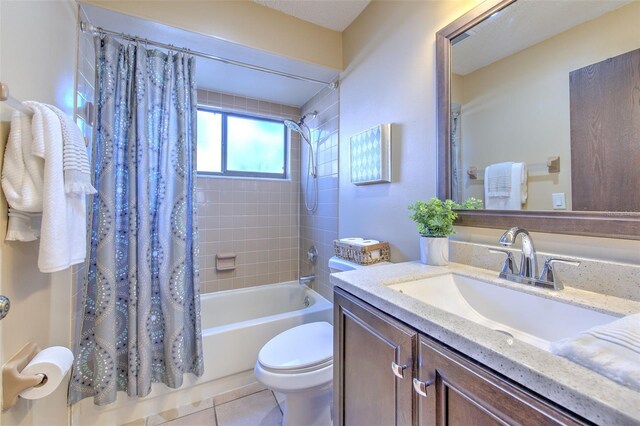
(529, 318)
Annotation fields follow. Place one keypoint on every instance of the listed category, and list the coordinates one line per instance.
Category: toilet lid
(299, 347)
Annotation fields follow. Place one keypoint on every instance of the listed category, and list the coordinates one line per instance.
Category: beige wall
(37, 61)
(243, 22)
(526, 97)
(389, 77)
(255, 218)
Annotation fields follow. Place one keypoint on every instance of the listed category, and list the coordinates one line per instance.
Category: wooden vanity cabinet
(366, 343)
(457, 391)
(462, 392)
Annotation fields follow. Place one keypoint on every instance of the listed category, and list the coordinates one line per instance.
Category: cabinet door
(366, 343)
(462, 393)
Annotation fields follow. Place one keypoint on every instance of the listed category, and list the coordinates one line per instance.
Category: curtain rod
(88, 28)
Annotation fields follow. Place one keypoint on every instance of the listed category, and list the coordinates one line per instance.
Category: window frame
(223, 160)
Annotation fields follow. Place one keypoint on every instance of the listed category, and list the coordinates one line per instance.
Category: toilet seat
(301, 349)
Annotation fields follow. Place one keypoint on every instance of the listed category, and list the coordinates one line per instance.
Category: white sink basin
(526, 317)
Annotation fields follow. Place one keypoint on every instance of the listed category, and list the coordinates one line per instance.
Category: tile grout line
(235, 399)
(277, 403)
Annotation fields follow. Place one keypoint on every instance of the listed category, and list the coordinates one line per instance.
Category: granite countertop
(568, 384)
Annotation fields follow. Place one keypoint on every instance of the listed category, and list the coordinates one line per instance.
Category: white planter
(434, 251)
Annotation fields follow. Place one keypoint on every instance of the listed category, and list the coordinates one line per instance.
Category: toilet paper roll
(351, 240)
(364, 243)
(54, 363)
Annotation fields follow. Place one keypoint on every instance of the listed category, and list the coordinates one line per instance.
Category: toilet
(299, 364)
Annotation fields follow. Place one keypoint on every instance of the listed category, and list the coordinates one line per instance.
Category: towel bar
(552, 166)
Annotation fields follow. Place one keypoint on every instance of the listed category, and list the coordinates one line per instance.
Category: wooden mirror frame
(620, 225)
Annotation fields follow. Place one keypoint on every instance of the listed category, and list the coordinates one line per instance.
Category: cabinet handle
(398, 370)
(421, 387)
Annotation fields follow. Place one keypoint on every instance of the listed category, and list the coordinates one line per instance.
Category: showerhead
(297, 126)
(293, 126)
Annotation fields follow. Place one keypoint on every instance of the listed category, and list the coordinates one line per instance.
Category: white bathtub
(235, 326)
(237, 323)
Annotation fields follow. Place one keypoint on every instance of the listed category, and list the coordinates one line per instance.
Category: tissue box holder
(363, 255)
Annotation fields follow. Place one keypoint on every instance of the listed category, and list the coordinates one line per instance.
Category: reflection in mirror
(545, 107)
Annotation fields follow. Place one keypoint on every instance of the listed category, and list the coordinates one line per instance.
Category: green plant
(435, 217)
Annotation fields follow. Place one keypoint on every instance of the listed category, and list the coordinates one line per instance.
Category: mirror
(539, 115)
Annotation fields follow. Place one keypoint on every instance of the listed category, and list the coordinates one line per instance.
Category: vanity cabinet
(366, 345)
(438, 387)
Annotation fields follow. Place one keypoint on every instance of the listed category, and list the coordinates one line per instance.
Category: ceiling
(335, 15)
(521, 25)
(220, 77)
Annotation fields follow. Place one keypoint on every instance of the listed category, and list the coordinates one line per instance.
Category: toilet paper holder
(13, 382)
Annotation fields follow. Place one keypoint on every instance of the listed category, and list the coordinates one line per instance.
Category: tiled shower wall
(257, 219)
(321, 228)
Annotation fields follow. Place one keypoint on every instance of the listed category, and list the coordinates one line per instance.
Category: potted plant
(435, 223)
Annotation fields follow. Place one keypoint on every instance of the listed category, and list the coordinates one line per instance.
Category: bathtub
(235, 326)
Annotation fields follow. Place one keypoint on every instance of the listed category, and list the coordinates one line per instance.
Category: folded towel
(22, 179)
(612, 350)
(63, 229)
(498, 180)
(77, 174)
(21, 226)
(517, 189)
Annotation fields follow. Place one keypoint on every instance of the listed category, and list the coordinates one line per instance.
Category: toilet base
(313, 407)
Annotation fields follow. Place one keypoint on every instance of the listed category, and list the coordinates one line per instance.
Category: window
(240, 145)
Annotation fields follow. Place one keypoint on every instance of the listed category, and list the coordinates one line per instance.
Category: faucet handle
(509, 266)
(548, 274)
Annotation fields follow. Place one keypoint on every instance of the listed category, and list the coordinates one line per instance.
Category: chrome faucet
(528, 272)
(306, 279)
(528, 260)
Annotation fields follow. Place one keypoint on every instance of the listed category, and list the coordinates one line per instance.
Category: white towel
(612, 350)
(497, 180)
(63, 229)
(77, 175)
(23, 226)
(517, 189)
(22, 180)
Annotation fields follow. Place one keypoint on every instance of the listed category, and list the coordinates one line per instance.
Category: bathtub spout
(306, 279)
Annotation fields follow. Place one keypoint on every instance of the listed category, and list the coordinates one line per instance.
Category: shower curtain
(141, 318)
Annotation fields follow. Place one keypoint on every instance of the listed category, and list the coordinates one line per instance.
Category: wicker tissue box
(363, 255)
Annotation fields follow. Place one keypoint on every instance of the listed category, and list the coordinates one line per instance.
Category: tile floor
(257, 409)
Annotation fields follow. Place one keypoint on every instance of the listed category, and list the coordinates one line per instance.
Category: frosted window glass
(209, 141)
(255, 145)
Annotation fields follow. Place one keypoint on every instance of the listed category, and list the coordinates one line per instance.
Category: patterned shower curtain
(141, 319)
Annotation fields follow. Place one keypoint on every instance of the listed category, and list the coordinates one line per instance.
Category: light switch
(558, 201)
